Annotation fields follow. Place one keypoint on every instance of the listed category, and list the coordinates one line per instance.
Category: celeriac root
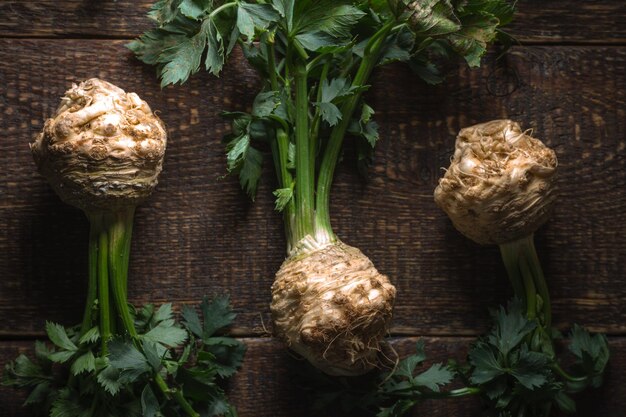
(500, 186)
(333, 307)
(103, 149)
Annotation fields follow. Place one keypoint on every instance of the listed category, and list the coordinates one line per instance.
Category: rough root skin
(500, 185)
(103, 149)
(333, 307)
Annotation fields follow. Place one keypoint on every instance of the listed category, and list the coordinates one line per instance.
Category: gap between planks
(32, 336)
(588, 42)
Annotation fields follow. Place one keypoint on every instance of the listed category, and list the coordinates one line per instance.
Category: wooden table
(199, 234)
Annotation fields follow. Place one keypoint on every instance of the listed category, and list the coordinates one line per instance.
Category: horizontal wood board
(553, 21)
(199, 235)
(271, 386)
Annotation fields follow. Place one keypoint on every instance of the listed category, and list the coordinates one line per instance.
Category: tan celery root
(500, 185)
(333, 307)
(103, 149)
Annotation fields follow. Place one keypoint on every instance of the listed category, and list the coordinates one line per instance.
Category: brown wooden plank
(597, 21)
(268, 384)
(564, 21)
(198, 234)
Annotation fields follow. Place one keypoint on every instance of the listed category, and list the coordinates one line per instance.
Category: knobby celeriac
(500, 187)
(315, 59)
(102, 152)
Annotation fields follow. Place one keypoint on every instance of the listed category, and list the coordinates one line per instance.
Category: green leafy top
(518, 372)
(508, 368)
(188, 30)
(194, 358)
(315, 58)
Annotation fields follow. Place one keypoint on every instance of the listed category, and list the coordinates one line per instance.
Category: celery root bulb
(333, 307)
(500, 185)
(103, 148)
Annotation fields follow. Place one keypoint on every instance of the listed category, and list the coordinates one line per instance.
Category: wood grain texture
(198, 234)
(595, 21)
(270, 386)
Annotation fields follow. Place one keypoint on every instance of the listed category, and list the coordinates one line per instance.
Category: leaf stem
(271, 62)
(510, 258)
(412, 394)
(95, 223)
(176, 394)
(222, 8)
(524, 270)
(282, 140)
(300, 50)
(540, 280)
(529, 286)
(104, 306)
(455, 393)
(315, 124)
(335, 141)
(556, 367)
(305, 180)
(280, 150)
(119, 225)
(125, 258)
(187, 408)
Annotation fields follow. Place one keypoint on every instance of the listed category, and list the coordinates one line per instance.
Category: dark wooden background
(199, 235)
